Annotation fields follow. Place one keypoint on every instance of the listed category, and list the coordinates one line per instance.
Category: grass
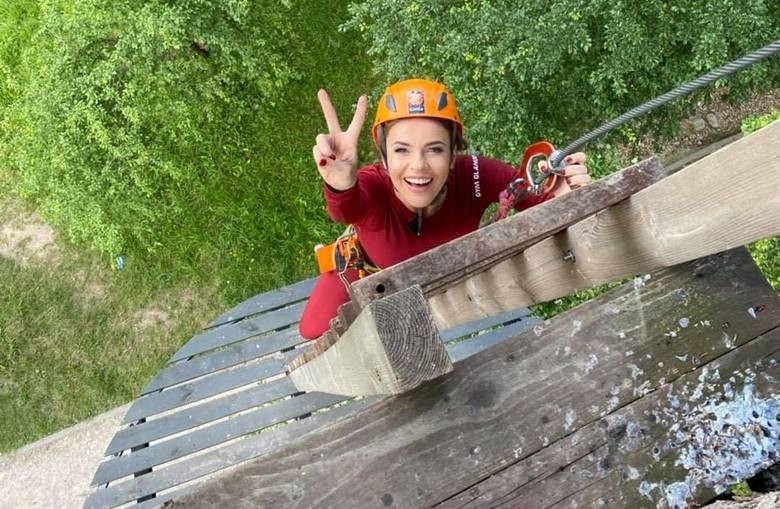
(78, 337)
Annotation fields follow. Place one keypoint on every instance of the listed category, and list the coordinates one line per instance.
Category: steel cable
(680, 91)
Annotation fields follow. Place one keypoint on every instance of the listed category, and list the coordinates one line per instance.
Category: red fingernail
(569, 159)
(332, 157)
(323, 161)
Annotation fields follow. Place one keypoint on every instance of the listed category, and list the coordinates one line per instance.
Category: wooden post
(639, 398)
(392, 346)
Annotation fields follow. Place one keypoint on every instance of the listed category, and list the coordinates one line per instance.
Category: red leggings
(328, 294)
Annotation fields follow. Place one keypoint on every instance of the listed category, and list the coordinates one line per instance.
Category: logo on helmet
(416, 101)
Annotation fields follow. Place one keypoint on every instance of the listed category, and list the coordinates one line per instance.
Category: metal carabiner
(535, 181)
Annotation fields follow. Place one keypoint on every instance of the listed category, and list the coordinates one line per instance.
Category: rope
(699, 82)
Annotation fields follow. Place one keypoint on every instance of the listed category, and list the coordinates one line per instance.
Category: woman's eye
(399, 150)
(436, 150)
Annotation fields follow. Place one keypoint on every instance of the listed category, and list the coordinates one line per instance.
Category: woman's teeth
(418, 181)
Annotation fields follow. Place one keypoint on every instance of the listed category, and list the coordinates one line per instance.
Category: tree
(524, 71)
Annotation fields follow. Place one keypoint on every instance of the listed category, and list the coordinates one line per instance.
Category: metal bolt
(568, 256)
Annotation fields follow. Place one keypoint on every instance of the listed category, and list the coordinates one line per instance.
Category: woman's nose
(418, 161)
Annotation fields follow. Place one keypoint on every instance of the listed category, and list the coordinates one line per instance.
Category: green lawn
(78, 337)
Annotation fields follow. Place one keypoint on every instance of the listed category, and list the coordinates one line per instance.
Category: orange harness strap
(344, 254)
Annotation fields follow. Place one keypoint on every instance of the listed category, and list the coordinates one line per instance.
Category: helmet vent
(442, 103)
(390, 103)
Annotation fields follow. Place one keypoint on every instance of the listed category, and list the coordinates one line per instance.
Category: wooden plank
(212, 435)
(513, 400)
(186, 470)
(445, 265)
(628, 460)
(206, 387)
(232, 333)
(239, 353)
(192, 417)
(267, 301)
(727, 199)
(391, 347)
(487, 323)
(459, 351)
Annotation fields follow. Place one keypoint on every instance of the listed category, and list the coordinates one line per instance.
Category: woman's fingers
(358, 118)
(329, 112)
(324, 145)
(576, 175)
(575, 158)
(578, 180)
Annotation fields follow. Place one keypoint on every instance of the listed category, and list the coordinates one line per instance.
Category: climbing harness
(530, 181)
(343, 254)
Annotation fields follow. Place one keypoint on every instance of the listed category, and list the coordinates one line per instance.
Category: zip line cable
(680, 91)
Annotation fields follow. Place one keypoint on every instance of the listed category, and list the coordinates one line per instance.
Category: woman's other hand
(573, 175)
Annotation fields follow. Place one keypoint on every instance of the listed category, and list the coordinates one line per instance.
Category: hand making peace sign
(336, 153)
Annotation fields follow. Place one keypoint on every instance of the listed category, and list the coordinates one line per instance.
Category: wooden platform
(657, 394)
(224, 399)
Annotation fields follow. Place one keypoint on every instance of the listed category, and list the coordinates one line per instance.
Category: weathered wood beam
(445, 265)
(730, 198)
(613, 392)
(390, 347)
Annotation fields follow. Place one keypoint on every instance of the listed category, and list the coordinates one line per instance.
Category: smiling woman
(421, 194)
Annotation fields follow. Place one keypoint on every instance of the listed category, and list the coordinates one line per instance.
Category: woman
(421, 193)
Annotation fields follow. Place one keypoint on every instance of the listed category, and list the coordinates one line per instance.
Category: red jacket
(388, 231)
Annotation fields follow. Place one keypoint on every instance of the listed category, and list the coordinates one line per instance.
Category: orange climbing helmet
(415, 98)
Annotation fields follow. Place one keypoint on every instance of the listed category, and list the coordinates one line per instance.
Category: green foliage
(752, 124)
(18, 22)
(131, 109)
(766, 253)
(555, 70)
(741, 489)
(178, 134)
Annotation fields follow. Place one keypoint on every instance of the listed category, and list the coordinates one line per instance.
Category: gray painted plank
(203, 438)
(233, 355)
(464, 349)
(209, 386)
(484, 323)
(267, 301)
(213, 410)
(192, 417)
(169, 476)
(235, 332)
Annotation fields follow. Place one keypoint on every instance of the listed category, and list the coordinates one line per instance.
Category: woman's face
(419, 158)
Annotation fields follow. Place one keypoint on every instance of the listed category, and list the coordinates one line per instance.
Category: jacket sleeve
(364, 204)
